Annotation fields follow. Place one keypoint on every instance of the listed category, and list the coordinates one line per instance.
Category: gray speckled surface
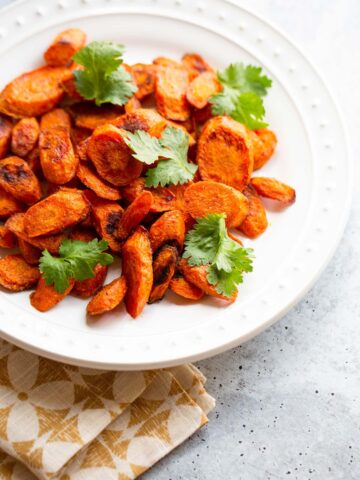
(288, 401)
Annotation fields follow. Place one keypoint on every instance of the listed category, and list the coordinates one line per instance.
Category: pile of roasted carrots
(73, 169)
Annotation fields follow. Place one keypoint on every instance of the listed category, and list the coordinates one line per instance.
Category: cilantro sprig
(208, 243)
(77, 260)
(103, 79)
(170, 151)
(241, 97)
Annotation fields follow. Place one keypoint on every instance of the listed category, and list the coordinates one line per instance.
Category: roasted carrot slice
(111, 156)
(7, 238)
(88, 288)
(170, 229)
(33, 93)
(273, 189)
(255, 221)
(79, 134)
(9, 205)
(202, 198)
(51, 242)
(30, 253)
(164, 266)
(170, 93)
(5, 135)
(33, 160)
(58, 160)
(107, 215)
(134, 214)
(166, 62)
(60, 210)
(108, 298)
(195, 64)
(185, 289)
(16, 274)
(197, 275)
(85, 234)
(81, 150)
(46, 297)
(64, 46)
(132, 104)
(202, 88)
(144, 78)
(69, 85)
(141, 119)
(90, 179)
(25, 135)
(55, 118)
(163, 197)
(224, 152)
(90, 116)
(17, 178)
(264, 143)
(137, 269)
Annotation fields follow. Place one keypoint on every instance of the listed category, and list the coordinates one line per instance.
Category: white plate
(312, 156)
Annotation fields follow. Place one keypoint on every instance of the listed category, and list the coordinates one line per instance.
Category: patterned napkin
(68, 423)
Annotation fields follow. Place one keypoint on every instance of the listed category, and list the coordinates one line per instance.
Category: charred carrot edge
(164, 266)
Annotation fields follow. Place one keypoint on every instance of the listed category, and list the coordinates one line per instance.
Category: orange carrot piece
(273, 189)
(134, 214)
(17, 178)
(64, 46)
(185, 289)
(7, 238)
(16, 274)
(46, 297)
(202, 198)
(164, 266)
(137, 269)
(170, 93)
(225, 153)
(170, 229)
(202, 88)
(25, 135)
(87, 288)
(255, 222)
(90, 179)
(108, 298)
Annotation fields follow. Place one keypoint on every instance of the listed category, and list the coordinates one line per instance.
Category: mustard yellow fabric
(69, 423)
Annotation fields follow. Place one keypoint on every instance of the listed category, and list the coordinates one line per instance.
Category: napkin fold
(69, 423)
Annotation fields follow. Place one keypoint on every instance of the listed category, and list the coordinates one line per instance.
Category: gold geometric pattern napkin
(60, 422)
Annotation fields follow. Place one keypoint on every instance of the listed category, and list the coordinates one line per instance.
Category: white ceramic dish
(312, 156)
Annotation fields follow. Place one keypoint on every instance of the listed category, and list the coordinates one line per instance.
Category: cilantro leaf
(146, 148)
(245, 78)
(208, 243)
(176, 169)
(103, 79)
(249, 110)
(243, 87)
(77, 260)
(170, 172)
(170, 151)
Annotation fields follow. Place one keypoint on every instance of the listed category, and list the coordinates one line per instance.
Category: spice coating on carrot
(202, 198)
(137, 269)
(57, 157)
(45, 297)
(108, 298)
(56, 212)
(17, 178)
(16, 274)
(169, 228)
(111, 156)
(134, 214)
(164, 266)
(185, 289)
(255, 222)
(273, 189)
(25, 135)
(225, 153)
(64, 46)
